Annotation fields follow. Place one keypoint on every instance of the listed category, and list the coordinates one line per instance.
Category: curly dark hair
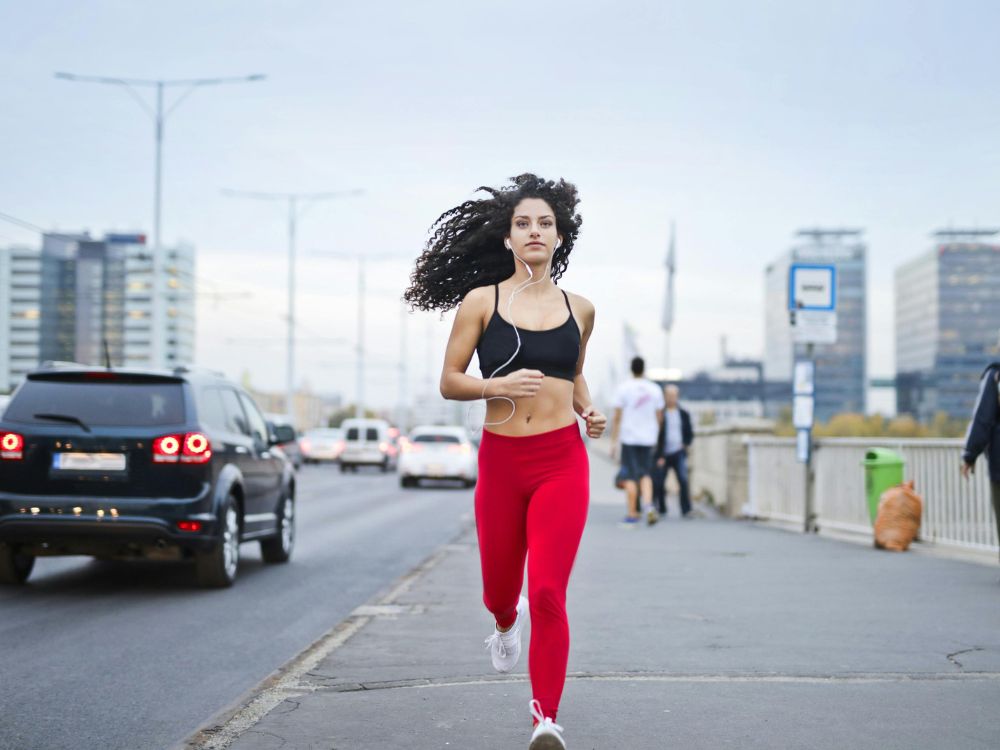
(465, 249)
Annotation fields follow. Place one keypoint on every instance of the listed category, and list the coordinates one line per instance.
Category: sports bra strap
(566, 297)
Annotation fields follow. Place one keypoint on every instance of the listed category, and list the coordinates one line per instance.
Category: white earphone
(510, 319)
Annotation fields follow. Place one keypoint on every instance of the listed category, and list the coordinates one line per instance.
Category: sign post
(812, 309)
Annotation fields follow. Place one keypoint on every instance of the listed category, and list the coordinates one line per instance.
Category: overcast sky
(742, 122)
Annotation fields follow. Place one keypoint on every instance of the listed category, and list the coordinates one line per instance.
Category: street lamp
(159, 117)
(294, 201)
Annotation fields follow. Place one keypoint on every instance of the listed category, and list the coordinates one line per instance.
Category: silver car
(435, 452)
(322, 444)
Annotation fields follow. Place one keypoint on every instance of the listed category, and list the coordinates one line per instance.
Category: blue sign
(812, 287)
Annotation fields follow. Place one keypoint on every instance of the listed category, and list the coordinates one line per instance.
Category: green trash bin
(883, 469)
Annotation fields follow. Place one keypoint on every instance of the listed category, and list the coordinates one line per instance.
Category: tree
(347, 412)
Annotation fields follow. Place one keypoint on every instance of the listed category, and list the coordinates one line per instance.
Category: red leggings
(531, 500)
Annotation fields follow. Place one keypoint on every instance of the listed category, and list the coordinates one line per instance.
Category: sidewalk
(704, 633)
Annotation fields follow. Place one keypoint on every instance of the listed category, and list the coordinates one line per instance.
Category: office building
(87, 300)
(20, 313)
(178, 294)
(840, 367)
(947, 323)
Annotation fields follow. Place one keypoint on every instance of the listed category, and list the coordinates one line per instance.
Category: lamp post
(361, 258)
(295, 202)
(158, 329)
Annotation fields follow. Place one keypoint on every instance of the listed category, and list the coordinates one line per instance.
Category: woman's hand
(521, 383)
(596, 422)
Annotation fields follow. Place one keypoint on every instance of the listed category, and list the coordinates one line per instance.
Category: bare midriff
(549, 409)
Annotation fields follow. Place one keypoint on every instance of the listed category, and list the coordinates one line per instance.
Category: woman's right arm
(465, 332)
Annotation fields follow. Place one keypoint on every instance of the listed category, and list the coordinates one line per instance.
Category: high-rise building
(841, 366)
(89, 301)
(947, 323)
(20, 313)
(177, 291)
(82, 300)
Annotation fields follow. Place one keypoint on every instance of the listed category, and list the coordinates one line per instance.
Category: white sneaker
(505, 648)
(547, 734)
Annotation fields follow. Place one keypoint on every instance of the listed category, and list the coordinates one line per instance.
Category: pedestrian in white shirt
(637, 418)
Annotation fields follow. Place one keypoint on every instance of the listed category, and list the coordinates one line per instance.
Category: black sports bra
(554, 351)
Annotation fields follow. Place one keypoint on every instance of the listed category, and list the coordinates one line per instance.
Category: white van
(366, 443)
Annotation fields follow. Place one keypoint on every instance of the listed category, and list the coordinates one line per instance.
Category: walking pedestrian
(499, 258)
(983, 434)
(637, 418)
(675, 438)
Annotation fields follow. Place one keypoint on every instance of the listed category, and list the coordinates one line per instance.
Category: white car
(366, 443)
(437, 453)
(321, 444)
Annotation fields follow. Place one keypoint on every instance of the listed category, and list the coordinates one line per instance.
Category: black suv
(140, 464)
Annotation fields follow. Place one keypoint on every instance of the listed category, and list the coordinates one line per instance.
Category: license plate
(88, 461)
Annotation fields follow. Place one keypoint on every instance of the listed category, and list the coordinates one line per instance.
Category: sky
(739, 122)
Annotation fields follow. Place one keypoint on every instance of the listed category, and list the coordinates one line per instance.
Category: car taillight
(189, 525)
(410, 447)
(11, 446)
(190, 448)
(197, 449)
(305, 445)
(384, 447)
(460, 448)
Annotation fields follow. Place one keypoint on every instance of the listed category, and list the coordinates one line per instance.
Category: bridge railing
(956, 511)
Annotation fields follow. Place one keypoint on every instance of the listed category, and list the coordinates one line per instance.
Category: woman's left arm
(582, 402)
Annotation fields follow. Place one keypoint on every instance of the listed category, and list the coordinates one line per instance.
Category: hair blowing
(466, 245)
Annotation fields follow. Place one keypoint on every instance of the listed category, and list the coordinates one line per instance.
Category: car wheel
(217, 568)
(278, 549)
(343, 468)
(469, 483)
(14, 567)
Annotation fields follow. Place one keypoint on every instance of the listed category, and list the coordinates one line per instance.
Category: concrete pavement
(134, 656)
(703, 633)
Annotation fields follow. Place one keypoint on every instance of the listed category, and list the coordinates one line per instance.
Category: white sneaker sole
(546, 742)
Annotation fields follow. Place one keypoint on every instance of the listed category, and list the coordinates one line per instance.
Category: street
(117, 655)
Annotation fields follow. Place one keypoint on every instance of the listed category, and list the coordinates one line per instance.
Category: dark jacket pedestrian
(983, 434)
(673, 441)
(687, 433)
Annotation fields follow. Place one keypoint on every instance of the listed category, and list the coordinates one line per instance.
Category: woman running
(499, 258)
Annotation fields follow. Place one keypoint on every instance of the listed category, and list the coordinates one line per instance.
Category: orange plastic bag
(898, 520)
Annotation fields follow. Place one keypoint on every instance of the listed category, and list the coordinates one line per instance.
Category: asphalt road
(135, 656)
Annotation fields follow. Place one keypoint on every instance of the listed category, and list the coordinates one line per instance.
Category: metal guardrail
(956, 512)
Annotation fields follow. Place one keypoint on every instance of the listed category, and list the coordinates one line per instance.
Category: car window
(371, 434)
(258, 427)
(435, 438)
(99, 403)
(352, 433)
(285, 433)
(236, 420)
(211, 411)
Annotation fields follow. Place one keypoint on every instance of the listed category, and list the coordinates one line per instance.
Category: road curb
(226, 726)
